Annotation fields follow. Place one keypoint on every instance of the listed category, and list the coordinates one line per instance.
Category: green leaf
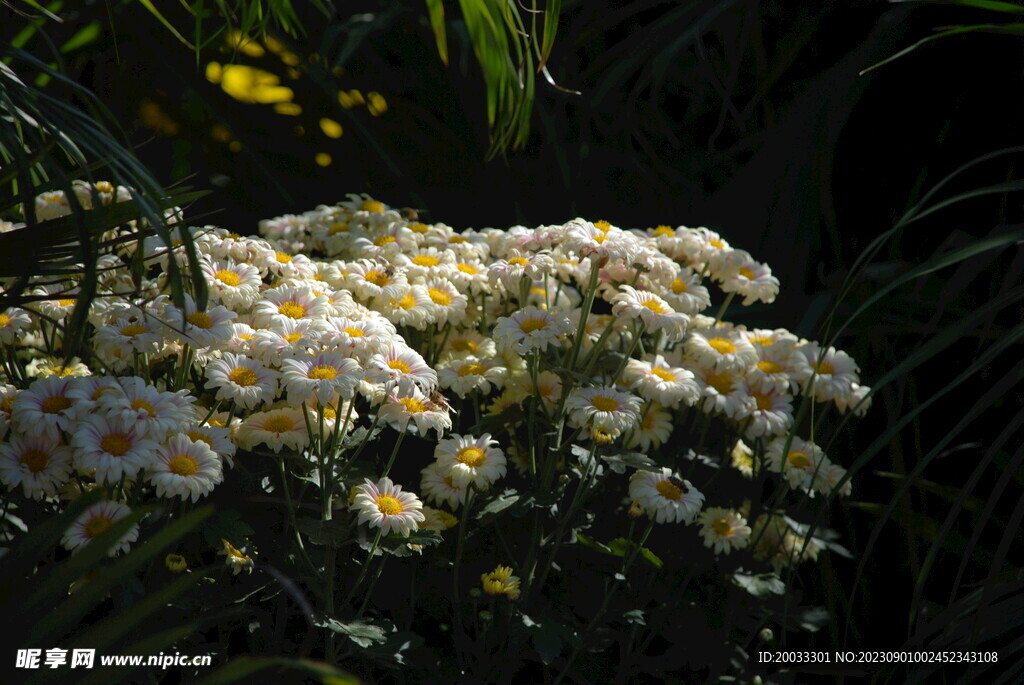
(363, 634)
(436, 10)
(760, 585)
(1010, 29)
(148, 4)
(227, 525)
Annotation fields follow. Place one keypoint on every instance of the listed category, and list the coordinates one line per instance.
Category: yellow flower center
(183, 465)
(762, 340)
(34, 460)
(6, 403)
(95, 526)
(55, 404)
(196, 436)
(663, 373)
(200, 320)
(407, 301)
(531, 325)
(388, 505)
(227, 277)
(715, 242)
(519, 261)
(462, 345)
(279, 424)
(372, 206)
(425, 260)
(337, 228)
(664, 230)
(769, 367)
(294, 337)
(668, 490)
(471, 456)
(62, 371)
(678, 286)
(399, 365)
(722, 527)
(826, 369)
(104, 187)
(132, 330)
(472, 369)
(115, 444)
(764, 402)
(323, 373)
(467, 269)
(143, 405)
(243, 376)
(746, 273)
(354, 332)
(654, 306)
(798, 460)
(602, 226)
(439, 297)
(722, 345)
(66, 302)
(418, 228)
(377, 277)
(722, 382)
(293, 310)
(602, 403)
(282, 258)
(384, 240)
(455, 239)
(413, 405)
(4, 319)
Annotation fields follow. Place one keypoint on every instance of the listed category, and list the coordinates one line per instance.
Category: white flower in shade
(723, 391)
(217, 438)
(654, 312)
(96, 520)
(721, 348)
(60, 306)
(449, 304)
(466, 374)
(403, 367)
(186, 469)
(285, 303)
(518, 265)
(743, 458)
(234, 559)
(828, 478)
(276, 428)
(753, 281)
(777, 362)
(12, 322)
(7, 394)
(321, 375)
(126, 336)
(159, 412)
(654, 378)
(198, 327)
(111, 448)
(665, 497)
(654, 429)
(603, 407)
(471, 460)
(858, 399)
(52, 204)
(724, 529)
(469, 341)
(414, 309)
(802, 465)
(531, 329)
(383, 505)
(286, 338)
(836, 372)
(439, 486)
(51, 366)
(233, 283)
(417, 412)
(772, 411)
(244, 381)
(500, 581)
(45, 407)
(37, 463)
(686, 294)
(333, 413)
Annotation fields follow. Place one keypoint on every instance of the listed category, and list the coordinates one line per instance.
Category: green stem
(725, 306)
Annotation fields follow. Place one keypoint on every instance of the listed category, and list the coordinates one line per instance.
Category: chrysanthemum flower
(357, 337)
(384, 505)
(471, 460)
(51, 366)
(654, 378)
(416, 411)
(236, 284)
(234, 559)
(321, 375)
(438, 486)
(466, 374)
(37, 463)
(518, 265)
(500, 581)
(371, 280)
(686, 294)
(112, 447)
(802, 465)
(414, 309)
(402, 367)
(470, 341)
(449, 304)
(600, 242)
(200, 328)
(752, 280)
(665, 497)
(724, 529)
(742, 457)
(244, 381)
(772, 411)
(654, 312)
(186, 469)
(45, 407)
(159, 412)
(289, 303)
(285, 265)
(96, 520)
(836, 372)
(531, 329)
(653, 430)
(603, 406)
(124, 336)
(723, 391)
(217, 438)
(276, 428)
(12, 322)
(286, 339)
(721, 348)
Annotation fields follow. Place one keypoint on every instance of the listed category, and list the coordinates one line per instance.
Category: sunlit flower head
(321, 375)
(417, 412)
(665, 497)
(531, 329)
(186, 469)
(470, 460)
(276, 428)
(654, 312)
(244, 381)
(603, 406)
(384, 505)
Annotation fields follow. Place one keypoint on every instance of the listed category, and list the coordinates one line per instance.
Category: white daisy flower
(518, 265)
(45, 407)
(414, 309)
(686, 294)
(159, 412)
(836, 372)
(802, 465)
(721, 348)
(723, 391)
(416, 412)
(471, 373)
(599, 241)
(531, 329)
(244, 381)
(469, 460)
(398, 364)
(123, 337)
(426, 262)
(233, 283)
(654, 378)
(285, 265)
(8, 393)
(742, 457)
(653, 431)
(371, 280)
(186, 469)
(111, 448)
(858, 399)
(217, 438)
(439, 486)
(276, 428)
(281, 304)
(829, 477)
(356, 337)
(383, 505)
(724, 529)
(37, 463)
(96, 520)
(51, 205)
(449, 304)
(321, 375)
(287, 339)
(654, 312)
(752, 280)
(605, 407)
(200, 328)
(12, 322)
(772, 412)
(468, 342)
(51, 366)
(665, 497)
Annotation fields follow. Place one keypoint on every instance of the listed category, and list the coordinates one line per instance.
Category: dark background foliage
(752, 118)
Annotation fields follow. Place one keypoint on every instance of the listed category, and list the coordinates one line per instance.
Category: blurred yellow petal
(331, 128)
